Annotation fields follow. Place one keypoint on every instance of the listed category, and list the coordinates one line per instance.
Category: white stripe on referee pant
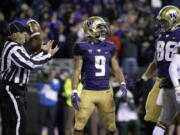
(16, 109)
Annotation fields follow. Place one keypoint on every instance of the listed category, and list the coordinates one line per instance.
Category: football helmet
(96, 27)
(168, 18)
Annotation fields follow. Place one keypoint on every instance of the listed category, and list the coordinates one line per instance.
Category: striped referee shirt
(16, 63)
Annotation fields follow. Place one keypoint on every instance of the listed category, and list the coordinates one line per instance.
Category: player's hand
(140, 86)
(75, 100)
(140, 82)
(45, 47)
(124, 91)
(177, 93)
(48, 47)
(49, 44)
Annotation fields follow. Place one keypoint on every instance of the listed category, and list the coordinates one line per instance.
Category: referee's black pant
(13, 108)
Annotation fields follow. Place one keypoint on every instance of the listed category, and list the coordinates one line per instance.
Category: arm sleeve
(77, 51)
(23, 59)
(173, 70)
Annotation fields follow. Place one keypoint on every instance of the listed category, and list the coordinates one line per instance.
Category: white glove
(177, 93)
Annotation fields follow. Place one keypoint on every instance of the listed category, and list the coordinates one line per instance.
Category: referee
(15, 68)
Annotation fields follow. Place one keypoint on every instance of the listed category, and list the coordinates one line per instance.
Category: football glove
(177, 93)
(124, 91)
(75, 100)
(141, 86)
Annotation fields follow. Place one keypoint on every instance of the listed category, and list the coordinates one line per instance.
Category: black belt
(21, 85)
(17, 89)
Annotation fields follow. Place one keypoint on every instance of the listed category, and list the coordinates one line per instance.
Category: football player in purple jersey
(170, 16)
(92, 61)
(166, 44)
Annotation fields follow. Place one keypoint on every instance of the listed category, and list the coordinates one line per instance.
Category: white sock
(158, 131)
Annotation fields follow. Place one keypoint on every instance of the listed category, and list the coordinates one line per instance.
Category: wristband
(75, 91)
(123, 83)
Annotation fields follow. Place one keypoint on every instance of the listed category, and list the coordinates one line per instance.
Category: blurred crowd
(132, 24)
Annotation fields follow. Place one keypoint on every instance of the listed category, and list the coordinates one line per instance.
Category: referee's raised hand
(48, 47)
(52, 51)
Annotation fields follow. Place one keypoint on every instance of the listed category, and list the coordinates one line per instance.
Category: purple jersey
(166, 47)
(96, 64)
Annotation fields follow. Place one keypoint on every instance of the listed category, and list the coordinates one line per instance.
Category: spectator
(39, 7)
(69, 110)
(60, 114)
(3, 32)
(132, 17)
(48, 88)
(123, 24)
(45, 30)
(96, 11)
(115, 39)
(72, 37)
(127, 118)
(110, 11)
(129, 54)
(21, 16)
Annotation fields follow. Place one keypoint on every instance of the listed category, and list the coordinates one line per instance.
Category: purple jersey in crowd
(96, 63)
(166, 47)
